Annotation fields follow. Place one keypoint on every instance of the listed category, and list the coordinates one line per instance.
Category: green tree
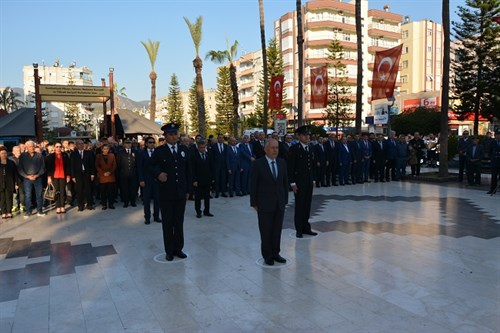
(152, 50)
(193, 110)
(71, 109)
(9, 100)
(274, 68)
(359, 77)
(175, 110)
(477, 85)
(224, 102)
(196, 33)
(422, 119)
(339, 109)
(220, 57)
(265, 81)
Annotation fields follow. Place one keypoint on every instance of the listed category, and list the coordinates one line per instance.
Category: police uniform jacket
(495, 153)
(300, 165)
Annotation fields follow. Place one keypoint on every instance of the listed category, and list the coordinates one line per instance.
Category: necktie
(81, 156)
(234, 149)
(220, 148)
(273, 166)
(173, 151)
(203, 156)
(128, 151)
(150, 152)
(306, 148)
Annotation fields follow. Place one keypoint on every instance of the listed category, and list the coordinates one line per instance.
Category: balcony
(330, 5)
(383, 15)
(323, 61)
(331, 25)
(375, 32)
(326, 42)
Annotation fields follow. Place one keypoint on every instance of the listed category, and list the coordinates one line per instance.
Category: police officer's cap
(127, 141)
(170, 128)
(303, 130)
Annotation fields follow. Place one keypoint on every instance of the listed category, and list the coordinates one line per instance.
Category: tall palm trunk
(236, 100)
(200, 95)
(359, 78)
(443, 137)
(300, 54)
(264, 62)
(152, 107)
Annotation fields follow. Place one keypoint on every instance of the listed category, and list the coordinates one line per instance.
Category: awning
(19, 123)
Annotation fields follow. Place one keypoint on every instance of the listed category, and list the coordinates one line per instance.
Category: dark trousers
(83, 191)
(220, 180)
(390, 169)
(37, 185)
(172, 214)
(462, 167)
(366, 169)
(202, 193)
(60, 185)
(245, 180)
(18, 197)
(107, 194)
(150, 193)
(303, 199)
(233, 180)
(474, 173)
(331, 174)
(344, 173)
(6, 201)
(415, 169)
(270, 225)
(495, 171)
(401, 167)
(128, 189)
(320, 174)
(357, 172)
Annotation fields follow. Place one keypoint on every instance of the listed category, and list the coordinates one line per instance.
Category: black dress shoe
(90, 208)
(489, 192)
(147, 222)
(111, 207)
(269, 262)
(312, 233)
(224, 195)
(169, 257)
(158, 220)
(80, 209)
(208, 214)
(133, 204)
(216, 195)
(181, 255)
(104, 207)
(198, 215)
(298, 235)
(125, 205)
(279, 259)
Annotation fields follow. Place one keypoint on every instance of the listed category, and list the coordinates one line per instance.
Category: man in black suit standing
(475, 155)
(463, 144)
(332, 158)
(147, 182)
(321, 162)
(258, 145)
(201, 167)
(379, 158)
(269, 196)
(301, 177)
(82, 174)
(170, 166)
(219, 150)
(127, 171)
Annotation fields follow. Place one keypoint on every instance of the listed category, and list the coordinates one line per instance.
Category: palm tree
(264, 61)
(229, 55)
(443, 155)
(359, 79)
(196, 33)
(9, 100)
(152, 50)
(300, 54)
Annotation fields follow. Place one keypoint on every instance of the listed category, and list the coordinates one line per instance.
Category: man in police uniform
(301, 177)
(495, 162)
(170, 166)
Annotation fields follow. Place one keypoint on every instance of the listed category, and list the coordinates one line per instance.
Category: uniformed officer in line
(495, 162)
(301, 177)
(170, 166)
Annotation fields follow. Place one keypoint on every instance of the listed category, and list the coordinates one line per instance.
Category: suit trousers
(495, 172)
(245, 180)
(128, 189)
(202, 192)
(108, 193)
(270, 225)
(60, 185)
(303, 199)
(83, 191)
(234, 181)
(5, 201)
(474, 172)
(150, 193)
(172, 214)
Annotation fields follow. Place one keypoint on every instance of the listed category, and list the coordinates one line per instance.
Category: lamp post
(38, 105)
(112, 102)
(104, 111)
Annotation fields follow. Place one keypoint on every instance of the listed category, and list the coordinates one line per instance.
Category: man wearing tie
(170, 166)
(127, 170)
(301, 177)
(379, 158)
(147, 182)
(219, 150)
(233, 168)
(345, 161)
(474, 155)
(201, 167)
(82, 174)
(247, 157)
(332, 158)
(321, 162)
(269, 196)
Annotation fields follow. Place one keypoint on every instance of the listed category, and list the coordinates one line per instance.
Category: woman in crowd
(105, 163)
(58, 174)
(8, 183)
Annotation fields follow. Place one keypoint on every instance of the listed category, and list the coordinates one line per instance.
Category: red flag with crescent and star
(319, 87)
(385, 72)
(276, 92)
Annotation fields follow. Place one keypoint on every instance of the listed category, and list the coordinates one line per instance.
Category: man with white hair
(32, 168)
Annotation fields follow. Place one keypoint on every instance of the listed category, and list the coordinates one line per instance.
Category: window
(347, 37)
(406, 49)
(429, 32)
(429, 48)
(406, 34)
(429, 62)
(405, 64)
(404, 79)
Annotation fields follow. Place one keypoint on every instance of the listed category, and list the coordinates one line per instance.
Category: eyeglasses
(150, 142)
(58, 146)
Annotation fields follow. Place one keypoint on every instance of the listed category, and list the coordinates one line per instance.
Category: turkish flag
(385, 72)
(319, 87)
(276, 92)
(496, 19)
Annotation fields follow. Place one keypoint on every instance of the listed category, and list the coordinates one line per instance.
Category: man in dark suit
(390, 154)
(418, 145)
(379, 158)
(357, 159)
(269, 196)
(202, 177)
(332, 157)
(170, 166)
(495, 162)
(127, 173)
(463, 144)
(233, 168)
(219, 150)
(301, 177)
(247, 157)
(321, 162)
(345, 161)
(366, 152)
(475, 155)
(258, 145)
(82, 174)
(147, 182)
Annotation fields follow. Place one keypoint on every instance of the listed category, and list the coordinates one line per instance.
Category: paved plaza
(389, 257)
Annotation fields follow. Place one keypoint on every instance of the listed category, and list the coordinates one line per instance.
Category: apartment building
(421, 60)
(56, 74)
(327, 20)
(249, 71)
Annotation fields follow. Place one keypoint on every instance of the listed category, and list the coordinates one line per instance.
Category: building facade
(57, 74)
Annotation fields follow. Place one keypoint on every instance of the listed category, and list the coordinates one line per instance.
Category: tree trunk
(264, 63)
(359, 79)
(300, 54)
(200, 96)
(152, 107)
(443, 137)
(236, 100)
